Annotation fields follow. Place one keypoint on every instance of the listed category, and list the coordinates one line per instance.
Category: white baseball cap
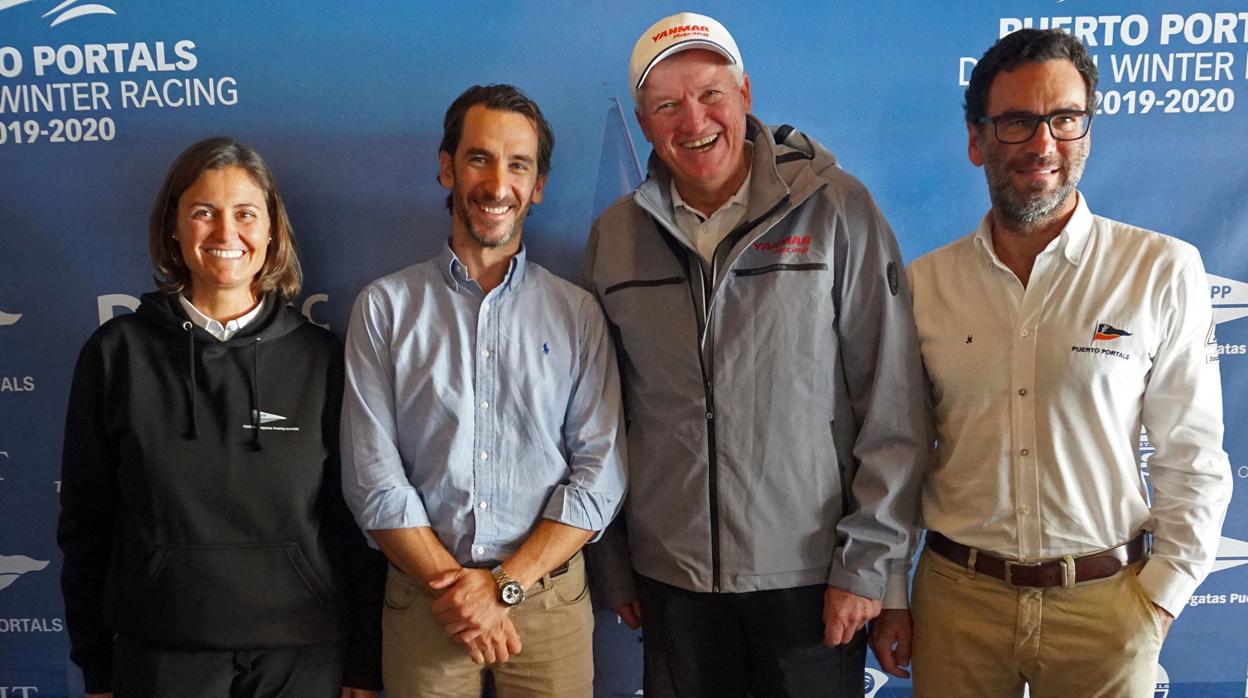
(680, 32)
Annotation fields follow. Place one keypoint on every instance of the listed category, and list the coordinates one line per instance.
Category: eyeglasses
(1019, 127)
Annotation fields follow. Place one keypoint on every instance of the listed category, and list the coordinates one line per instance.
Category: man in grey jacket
(774, 392)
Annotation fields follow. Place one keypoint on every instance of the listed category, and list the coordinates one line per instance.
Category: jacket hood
(275, 322)
(163, 310)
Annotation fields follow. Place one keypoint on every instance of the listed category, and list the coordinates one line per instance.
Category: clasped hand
(469, 609)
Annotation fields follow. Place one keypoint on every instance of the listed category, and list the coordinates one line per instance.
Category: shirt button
(1022, 391)
(485, 353)
(1025, 332)
(483, 505)
(485, 456)
(1025, 511)
(1021, 453)
(480, 549)
(485, 404)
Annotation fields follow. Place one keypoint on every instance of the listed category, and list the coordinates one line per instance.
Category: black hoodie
(201, 506)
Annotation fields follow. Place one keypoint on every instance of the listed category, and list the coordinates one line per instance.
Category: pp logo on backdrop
(64, 11)
(14, 566)
(1231, 553)
(873, 681)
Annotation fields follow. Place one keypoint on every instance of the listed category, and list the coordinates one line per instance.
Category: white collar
(215, 328)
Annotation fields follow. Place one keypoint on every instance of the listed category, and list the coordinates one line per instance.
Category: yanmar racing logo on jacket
(680, 31)
(793, 244)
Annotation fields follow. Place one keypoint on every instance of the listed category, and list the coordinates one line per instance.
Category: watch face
(512, 593)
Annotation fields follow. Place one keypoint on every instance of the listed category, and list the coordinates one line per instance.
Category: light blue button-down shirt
(479, 414)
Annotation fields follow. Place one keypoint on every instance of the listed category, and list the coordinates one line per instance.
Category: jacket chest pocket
(653, 321)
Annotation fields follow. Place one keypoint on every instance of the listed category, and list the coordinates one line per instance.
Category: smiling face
(692, 111)
(1032, 183)
(223, 233)
(493, 177)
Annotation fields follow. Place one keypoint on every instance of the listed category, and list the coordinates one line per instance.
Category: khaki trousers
(978, 636)
(556, 627)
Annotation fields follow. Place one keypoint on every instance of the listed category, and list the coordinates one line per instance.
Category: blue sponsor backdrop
(345, 100)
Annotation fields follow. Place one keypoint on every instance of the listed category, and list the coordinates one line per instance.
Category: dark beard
(1022, 211)
(1025, 212)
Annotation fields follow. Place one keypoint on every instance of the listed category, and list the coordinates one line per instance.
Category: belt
(1062, 571)
(561, 569)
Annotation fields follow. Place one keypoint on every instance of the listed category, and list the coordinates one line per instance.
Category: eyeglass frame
(1046, 119)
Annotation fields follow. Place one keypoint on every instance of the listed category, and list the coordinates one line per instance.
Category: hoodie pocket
(260, 594)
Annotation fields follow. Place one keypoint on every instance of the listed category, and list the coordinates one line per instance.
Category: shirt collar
(456, 273)
(221, 331)
(1072, 241)
(740, 197)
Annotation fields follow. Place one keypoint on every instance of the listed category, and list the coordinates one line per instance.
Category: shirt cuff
(1166, 586)
(578, 508)
(396, 507)
(896, 591)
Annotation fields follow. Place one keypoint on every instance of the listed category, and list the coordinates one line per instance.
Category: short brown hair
(1027, 46)
(281, 272)
(500, 98)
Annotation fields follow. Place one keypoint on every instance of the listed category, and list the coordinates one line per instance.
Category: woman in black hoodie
(208, 551)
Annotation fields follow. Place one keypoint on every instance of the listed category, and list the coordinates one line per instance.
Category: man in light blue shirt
(482, 431)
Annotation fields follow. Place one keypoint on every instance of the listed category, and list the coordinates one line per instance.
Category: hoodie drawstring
(193, 431)
(255, 396)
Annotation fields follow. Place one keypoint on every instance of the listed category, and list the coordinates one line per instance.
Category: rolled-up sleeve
(593, 431)
(374, 479)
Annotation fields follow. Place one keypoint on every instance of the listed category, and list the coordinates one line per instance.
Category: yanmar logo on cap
(680, 31)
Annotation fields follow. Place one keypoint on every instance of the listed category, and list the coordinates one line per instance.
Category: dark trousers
(761, 644)
(307, 671)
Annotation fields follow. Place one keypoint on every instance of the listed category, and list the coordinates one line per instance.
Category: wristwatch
(509, 590)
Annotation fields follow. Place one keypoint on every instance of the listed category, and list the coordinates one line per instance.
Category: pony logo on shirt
(1107, 332)
(545, 347)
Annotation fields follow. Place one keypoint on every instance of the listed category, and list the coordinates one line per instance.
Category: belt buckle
(1010, 564)
(1068, 571)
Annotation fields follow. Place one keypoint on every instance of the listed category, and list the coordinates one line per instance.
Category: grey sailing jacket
(778, 419)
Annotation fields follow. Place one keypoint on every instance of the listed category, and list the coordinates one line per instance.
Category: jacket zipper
(712, 460)
(707, 383)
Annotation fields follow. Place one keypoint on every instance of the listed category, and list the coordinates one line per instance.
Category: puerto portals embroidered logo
(1107, 332)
